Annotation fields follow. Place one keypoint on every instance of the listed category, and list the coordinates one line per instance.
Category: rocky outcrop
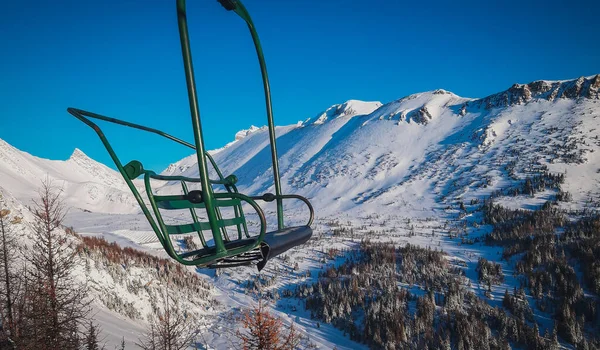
(548, 90)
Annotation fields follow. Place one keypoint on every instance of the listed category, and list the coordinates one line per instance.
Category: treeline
(543, 180)
(549, 248)
(582, 240)
(517, 229)
(45, 305)
(362, 297)
(176, 275)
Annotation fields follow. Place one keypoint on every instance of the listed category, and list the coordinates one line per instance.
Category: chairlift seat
(227, 251)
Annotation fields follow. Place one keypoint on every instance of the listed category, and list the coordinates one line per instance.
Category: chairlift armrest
(269, 197)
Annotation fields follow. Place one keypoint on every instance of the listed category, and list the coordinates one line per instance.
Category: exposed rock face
(593, 91)
(421, 116)
(523, 93)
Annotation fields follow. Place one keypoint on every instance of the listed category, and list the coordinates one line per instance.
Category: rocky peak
(349, 108)
(78, 154)
(243, 133)
(548, 90)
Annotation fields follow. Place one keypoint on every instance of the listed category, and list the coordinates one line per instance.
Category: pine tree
(507, 300)
(91, 338)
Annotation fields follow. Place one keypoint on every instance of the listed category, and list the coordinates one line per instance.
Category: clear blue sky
(122, 59)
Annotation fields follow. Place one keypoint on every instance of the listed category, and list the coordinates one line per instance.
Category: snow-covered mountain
(416, 157)
(87, 184)
(422, 149)
(366, 156)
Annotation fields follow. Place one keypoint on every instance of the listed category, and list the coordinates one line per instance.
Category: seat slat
(179, 202)
(169, 198)
(195, 227)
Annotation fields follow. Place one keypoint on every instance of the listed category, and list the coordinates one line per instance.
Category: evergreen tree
(91, 338)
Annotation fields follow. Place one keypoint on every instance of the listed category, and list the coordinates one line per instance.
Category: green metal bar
(178, 204)
(172, 198)
(238, 211)
(194, 216)
(214, 165)
(160, 227)
(211, 258)
(243, 13)
(189, 228)
(167, 203)
(224, 233)
(81, 115)
(207, 193)
(211, 202)
(128, 124)
(292, 196)
(168, 246)
(222, 180)
(182, 178)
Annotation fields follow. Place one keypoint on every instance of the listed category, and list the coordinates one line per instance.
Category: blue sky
(122, 59)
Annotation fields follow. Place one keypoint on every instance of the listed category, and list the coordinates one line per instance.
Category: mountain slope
(87, 184)
(431, 146)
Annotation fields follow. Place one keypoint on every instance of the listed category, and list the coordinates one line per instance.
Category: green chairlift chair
(244, 248)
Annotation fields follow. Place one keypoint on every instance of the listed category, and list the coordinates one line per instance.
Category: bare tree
(57, 303)
(170, 329)
(150, 339)
(265, 331)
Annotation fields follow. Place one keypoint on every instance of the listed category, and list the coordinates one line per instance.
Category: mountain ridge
(302, 145)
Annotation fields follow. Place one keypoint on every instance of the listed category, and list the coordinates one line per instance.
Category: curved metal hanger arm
(237, 7)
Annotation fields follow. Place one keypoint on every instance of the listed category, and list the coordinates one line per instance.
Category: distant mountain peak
(349, 108)
(243, 133)
(419, 108)
(78, 154)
